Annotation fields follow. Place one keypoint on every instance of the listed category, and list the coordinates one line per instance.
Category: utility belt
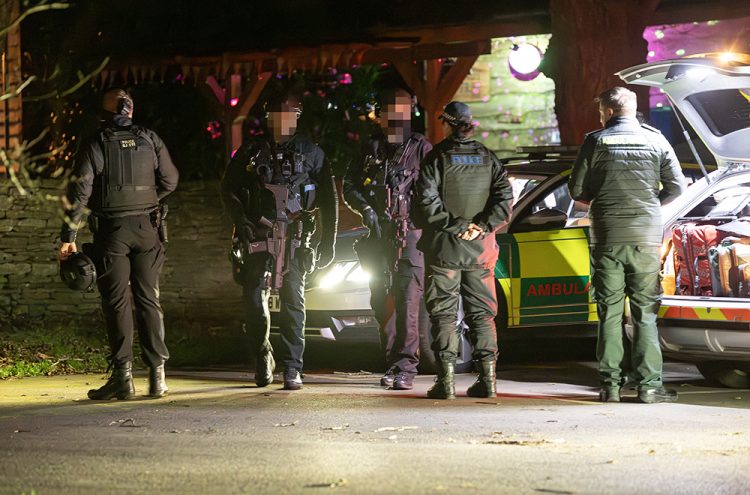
(158, 217)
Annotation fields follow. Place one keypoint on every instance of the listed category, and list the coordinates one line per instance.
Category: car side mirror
(544, 219)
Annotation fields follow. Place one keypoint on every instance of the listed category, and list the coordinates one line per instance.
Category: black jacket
(244, 196)
(90, 162)
(440, 241)
(356, 193)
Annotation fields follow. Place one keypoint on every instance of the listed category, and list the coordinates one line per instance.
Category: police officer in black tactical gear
(272, 188)
(121, 175)
(379, 187)
(464, 195)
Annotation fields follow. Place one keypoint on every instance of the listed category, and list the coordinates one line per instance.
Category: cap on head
(118, 101)
(456, 114)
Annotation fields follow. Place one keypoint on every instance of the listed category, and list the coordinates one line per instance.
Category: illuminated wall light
(651, 54)
(680, 52)
(524, 60)
(659, 34)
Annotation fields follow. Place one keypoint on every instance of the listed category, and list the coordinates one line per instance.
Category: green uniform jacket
(626, 171)
(440, 241)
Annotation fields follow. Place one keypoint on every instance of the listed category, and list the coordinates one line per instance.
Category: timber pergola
(433, 71)
(591, 40)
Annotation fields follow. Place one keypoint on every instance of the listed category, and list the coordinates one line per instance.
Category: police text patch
(467, 160)
(624, 140)
(127, 143)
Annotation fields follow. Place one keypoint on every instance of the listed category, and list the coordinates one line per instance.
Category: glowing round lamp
(524, 60)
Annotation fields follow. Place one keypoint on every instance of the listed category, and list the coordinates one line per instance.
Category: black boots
(264, 368)
(485, 384)
(157, 384)
(388, 377)
(656, 395)
(292, 379)
(119, 386)
(403, 381)
(445, 382)
(609, 394)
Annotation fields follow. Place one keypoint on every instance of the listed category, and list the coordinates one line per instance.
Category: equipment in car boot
(692, 269)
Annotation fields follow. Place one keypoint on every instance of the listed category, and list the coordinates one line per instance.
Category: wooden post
(591, 41)
(434, 86)
(236, 103)
(10, 77)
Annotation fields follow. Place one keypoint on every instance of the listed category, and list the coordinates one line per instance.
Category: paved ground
(216, 433)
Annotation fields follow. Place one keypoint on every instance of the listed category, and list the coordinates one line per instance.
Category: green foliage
(52, 349)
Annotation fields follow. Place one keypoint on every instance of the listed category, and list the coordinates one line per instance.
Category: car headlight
(350, 271)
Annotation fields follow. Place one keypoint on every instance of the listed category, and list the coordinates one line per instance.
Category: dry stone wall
(197, 291)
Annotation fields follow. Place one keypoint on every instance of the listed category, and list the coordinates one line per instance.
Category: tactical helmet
(78, 272)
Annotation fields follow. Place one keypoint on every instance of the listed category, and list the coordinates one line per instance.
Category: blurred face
(605, 114)
(282, 123)
(395, 119)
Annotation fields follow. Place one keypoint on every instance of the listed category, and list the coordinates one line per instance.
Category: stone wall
(198, 294)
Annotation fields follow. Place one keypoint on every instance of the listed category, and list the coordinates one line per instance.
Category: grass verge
(51, 349)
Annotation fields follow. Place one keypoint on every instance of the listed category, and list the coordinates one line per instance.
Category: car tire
(427, 360)
(726, 373)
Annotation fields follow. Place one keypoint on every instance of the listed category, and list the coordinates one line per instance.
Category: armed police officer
(626, 171)
(272, 188)
(121, 175)
(379, 187)
(465, 196)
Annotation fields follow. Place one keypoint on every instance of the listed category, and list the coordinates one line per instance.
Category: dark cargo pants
(291, 312)
(127, 252)
(632, 271)
(397, 310)
(444, 287)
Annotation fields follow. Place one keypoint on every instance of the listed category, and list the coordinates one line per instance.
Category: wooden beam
(537, 22)
(427, 52)
(434, 87)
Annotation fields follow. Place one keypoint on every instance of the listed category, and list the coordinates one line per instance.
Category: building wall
(197, 291)
(509, 112)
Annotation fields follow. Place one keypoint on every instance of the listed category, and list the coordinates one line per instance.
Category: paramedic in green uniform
(626, 171)
(464, 196)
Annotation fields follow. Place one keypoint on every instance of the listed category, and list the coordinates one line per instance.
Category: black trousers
(396, 309)
(291, 314)
(477, 288)
(129, 257)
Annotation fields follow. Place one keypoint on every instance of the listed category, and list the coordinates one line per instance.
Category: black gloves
(370, 220)
(246, 233)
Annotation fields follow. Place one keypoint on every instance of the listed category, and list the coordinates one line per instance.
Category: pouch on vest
(128, 179)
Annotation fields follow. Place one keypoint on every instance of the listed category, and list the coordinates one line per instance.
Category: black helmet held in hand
(78, 272)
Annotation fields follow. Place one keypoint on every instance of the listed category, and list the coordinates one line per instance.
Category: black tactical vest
(389, 179)
(467, 175)
(286, 167)
(127, 181)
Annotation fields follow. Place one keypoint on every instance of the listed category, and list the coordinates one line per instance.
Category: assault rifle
(275, 243)
(395, 202)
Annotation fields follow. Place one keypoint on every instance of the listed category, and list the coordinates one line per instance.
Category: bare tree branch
(33, 10)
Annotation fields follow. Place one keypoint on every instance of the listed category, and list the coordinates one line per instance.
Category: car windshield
(724, 110)
(524, 183)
